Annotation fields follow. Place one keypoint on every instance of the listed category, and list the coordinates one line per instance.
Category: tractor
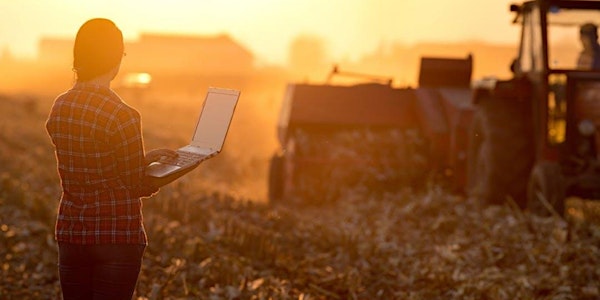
(531, 138)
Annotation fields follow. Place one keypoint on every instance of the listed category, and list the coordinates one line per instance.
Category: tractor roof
(563, 12)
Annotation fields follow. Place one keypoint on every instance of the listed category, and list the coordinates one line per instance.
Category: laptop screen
(215, 118)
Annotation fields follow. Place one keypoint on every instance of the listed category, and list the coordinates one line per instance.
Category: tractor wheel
(545, 190)
(276, 180)
(502, 150)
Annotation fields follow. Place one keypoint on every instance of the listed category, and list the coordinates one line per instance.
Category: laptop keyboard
(184, 159)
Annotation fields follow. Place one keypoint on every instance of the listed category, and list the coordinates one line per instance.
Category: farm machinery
(333, 136)
(531, 138)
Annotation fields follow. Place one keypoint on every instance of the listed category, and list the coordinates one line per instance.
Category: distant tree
(308, 57)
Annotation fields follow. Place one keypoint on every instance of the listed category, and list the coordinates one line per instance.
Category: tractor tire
(501, 145)
(276, 179)
(546, 184)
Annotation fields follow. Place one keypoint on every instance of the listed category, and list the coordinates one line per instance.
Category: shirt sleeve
(129, 147)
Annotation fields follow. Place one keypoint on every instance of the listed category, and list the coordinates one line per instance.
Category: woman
(101, 163)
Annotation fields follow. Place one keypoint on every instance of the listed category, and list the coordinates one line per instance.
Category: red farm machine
(532, 138)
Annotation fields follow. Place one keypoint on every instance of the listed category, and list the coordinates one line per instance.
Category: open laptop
(209, 135)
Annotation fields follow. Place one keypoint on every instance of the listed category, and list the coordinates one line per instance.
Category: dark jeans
(99, 271)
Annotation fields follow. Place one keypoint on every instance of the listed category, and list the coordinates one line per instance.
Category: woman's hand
(162, 181)
(156, 154)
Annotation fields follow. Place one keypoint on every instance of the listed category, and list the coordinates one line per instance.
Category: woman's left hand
(156, 154)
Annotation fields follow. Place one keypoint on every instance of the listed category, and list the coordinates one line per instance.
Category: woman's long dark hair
(98, 48)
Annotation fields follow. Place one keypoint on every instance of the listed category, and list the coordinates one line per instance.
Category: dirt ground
(213, 235)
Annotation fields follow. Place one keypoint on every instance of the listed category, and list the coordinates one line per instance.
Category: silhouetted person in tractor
(589, 57)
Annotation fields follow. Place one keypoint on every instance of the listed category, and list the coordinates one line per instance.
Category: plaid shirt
(100, 158)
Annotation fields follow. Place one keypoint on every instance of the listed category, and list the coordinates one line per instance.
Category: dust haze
(166, 77)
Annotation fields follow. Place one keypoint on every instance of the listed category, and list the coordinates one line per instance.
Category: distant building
(217, 55)
(166, 54)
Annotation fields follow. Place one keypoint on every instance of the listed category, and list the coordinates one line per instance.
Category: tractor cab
(552, 57)
(555, 94)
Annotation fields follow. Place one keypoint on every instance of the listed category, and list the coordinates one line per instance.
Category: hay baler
(374, 134)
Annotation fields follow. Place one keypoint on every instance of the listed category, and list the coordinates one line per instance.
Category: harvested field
(224, 244)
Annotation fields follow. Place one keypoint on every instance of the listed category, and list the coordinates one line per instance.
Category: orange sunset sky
(349, 28)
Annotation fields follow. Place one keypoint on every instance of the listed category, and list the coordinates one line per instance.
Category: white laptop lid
(215, 118)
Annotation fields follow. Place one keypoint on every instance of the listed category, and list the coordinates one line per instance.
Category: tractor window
(557, 109)
(536, 42)
(525, 59)
(564, 43)
(531, 58)
(563, 47)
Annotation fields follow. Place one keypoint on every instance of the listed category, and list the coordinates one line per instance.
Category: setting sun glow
(137, 80)
(267, 27)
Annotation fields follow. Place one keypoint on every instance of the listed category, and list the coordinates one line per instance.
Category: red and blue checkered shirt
(100, 158)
